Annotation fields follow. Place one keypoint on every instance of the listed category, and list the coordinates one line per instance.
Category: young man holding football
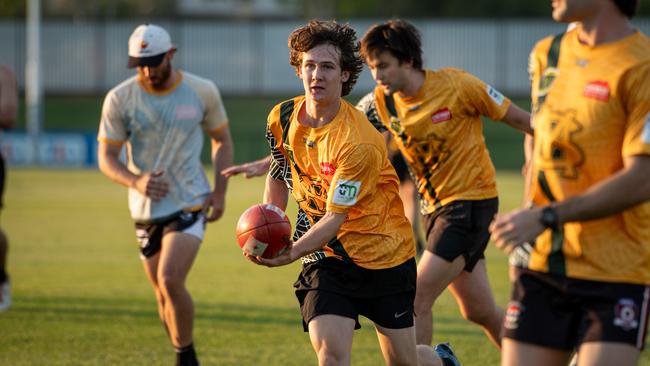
(358, 254)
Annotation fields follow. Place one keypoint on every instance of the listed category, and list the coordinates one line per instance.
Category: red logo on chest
(327, 169)
(441, 115)
(598, 90)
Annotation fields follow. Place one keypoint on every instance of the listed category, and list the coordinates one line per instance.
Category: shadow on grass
(101, 308)
(121, 309)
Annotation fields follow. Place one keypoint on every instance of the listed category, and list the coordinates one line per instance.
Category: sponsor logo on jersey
(598, 90)
(558, 149)
(327, 168)
(513, 312)
(645, 135)
(496, 96)
(625, 313)
(186, 111)
(346, 192)
(441, 115)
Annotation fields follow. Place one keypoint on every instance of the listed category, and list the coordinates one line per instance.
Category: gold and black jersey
(342, 167)
(440, 135)
(591, 110)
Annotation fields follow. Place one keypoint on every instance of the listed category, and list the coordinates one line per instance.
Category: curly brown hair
(341, 36)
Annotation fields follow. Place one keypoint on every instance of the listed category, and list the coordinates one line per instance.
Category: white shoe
(5, 295)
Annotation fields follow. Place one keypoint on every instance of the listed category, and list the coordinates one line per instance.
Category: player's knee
(331, 356)
(405, 360)
(423, 302)
(427, 356)
(476, 314)
(170, 285)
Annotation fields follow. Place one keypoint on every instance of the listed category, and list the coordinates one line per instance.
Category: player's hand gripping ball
(264, 231)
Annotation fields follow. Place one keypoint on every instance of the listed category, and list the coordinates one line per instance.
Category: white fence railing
(251, 57)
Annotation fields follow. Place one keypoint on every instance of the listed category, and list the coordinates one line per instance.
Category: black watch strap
(549, 218)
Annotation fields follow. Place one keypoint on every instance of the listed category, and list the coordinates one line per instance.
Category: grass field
(81, 297)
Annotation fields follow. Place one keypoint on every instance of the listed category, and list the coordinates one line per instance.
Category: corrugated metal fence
(251, 57)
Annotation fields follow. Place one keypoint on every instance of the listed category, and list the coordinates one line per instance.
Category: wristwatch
(549, 218)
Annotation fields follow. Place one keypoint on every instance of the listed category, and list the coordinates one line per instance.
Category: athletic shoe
(446, 354)
(5, 295)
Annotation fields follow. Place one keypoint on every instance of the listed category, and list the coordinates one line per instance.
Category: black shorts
(562, 313)
(332, 286)
(150, 234)
(461, 228)
(400, 165)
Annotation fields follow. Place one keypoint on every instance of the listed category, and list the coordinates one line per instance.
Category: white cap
(147, 45)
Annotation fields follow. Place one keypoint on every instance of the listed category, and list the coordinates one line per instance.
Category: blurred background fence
(248, 60)
(250, 57)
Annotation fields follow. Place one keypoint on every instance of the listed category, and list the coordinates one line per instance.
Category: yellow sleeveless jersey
(440, 134)
(590, 112)
(342, 167)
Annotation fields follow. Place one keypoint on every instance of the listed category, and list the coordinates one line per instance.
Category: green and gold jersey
(440, 134)
(342, 168)
(591, 110)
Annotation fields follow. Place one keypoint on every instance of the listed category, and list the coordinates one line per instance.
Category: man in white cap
(161, 114)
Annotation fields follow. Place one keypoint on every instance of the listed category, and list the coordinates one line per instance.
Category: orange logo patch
(441, 115)
(598, 90)
(144, 44)
(327, 168)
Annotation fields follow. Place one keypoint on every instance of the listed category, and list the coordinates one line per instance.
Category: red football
(264, 230)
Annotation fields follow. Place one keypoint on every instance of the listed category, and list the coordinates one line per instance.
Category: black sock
(186, 356)
(3, 276)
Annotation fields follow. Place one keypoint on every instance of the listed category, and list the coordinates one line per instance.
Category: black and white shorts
(150, 235)
(562, 312)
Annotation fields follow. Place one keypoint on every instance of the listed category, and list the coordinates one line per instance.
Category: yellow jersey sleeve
(481, 98)
(273, 124)
(636, 140)
(356, 177)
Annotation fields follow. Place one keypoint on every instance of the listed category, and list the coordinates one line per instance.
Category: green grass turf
(247, 124)
(81, 296)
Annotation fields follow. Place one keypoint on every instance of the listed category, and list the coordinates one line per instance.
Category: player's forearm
(628, 188)
(276, 193)
(113, 168)
(318, 235)
(222, 153)
(518, 119)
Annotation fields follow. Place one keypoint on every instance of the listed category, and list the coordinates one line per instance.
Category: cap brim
(152, 61)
